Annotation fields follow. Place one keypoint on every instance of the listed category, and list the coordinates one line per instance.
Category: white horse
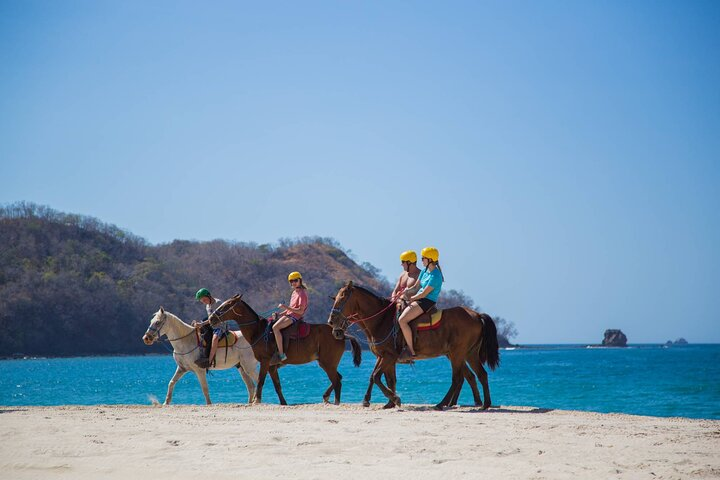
(186, 349)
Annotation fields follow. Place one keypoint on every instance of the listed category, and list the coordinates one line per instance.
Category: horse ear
(350, 284)
(162, 310)
(331, 298)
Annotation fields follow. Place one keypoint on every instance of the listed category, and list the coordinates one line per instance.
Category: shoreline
(532, 346)
(311, 441)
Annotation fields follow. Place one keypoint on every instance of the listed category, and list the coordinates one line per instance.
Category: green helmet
(203, 292)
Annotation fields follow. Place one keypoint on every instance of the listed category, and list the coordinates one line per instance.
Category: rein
(245, 324)
(351, 320)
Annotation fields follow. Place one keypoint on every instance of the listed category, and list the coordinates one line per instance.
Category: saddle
(296, 331)
(429, 320)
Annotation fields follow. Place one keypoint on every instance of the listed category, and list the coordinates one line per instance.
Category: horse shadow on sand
(472, 409)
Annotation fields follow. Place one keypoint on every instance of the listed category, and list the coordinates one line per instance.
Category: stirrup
(203, 362)
(406, 356)
(277, 359)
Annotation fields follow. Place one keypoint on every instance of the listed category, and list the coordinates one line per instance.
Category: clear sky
(563, 156)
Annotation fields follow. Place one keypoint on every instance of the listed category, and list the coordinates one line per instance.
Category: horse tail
(356, 350)
(489, 349)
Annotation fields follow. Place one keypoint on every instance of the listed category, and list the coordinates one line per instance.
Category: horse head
(157, 322)
(338, 319)
(226, 311)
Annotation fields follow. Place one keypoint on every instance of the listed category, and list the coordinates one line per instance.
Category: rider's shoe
(406, 356)
(278, 358)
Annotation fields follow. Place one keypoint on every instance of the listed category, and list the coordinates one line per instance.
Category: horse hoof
(366, 403)
(439, 407)
(388, 405)
(337, 402)
(397, 401)
(326, 399)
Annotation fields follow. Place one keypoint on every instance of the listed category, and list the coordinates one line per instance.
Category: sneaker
(277, 358)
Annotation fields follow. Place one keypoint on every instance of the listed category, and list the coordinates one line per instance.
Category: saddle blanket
(432, 323)
(298, 330)
(227, 340)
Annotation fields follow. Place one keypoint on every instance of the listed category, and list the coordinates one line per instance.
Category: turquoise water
(645, 380)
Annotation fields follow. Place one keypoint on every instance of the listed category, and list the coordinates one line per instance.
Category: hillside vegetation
(73, 285)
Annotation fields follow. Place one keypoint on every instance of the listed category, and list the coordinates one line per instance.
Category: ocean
(652, 380)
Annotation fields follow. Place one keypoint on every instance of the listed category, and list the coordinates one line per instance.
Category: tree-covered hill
(72, 285)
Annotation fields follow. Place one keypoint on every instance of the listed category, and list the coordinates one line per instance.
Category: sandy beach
(349, 441)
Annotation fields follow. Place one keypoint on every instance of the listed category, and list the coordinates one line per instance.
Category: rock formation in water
(679, 341)
(614, 338)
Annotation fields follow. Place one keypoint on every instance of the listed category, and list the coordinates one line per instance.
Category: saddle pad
(432, 324)
(303, 329)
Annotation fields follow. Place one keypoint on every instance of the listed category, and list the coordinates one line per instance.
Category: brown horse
(319, 345)
(464, 335)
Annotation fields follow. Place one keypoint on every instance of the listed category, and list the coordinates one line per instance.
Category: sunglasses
(294, 280)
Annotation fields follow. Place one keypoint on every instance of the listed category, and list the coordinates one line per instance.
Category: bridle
(217, 313)
(338, 312)
(154, 331)
(347, 320)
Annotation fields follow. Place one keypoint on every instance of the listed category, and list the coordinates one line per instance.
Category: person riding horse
(408, 279)
(291, 314)
(203, 295)
(430, 282)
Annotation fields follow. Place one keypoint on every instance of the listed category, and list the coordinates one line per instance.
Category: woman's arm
(422, 293)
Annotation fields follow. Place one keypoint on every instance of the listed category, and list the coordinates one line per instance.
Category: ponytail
(437, 264)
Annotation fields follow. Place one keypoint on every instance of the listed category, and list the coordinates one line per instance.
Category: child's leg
(213, 349)
(277, 327)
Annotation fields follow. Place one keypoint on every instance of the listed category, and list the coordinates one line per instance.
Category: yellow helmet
(294, 275)
(408, 256)
(431, 253)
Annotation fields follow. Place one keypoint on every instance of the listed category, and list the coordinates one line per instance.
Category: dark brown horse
(464, 335)
(319, 345)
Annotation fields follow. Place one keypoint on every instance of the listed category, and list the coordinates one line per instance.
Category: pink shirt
(298, 299)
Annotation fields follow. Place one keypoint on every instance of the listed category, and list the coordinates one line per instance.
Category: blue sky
(563, 156)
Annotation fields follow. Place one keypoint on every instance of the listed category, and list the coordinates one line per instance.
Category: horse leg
(366, 400)
(276, 383)
(391, 380)
(179, 372)
(335, 382)
(470, 378)
(385, 366)
(249, 382)
(202, 378)
(482, 375)
(261, 381)
(457, 378)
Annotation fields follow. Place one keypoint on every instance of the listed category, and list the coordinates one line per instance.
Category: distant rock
(679, 341)
(614, 338)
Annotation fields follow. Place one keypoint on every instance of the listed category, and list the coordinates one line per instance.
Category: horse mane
(372, 293)
(177, 318)
(250, 308)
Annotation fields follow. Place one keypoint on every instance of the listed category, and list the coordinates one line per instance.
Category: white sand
(329, 442)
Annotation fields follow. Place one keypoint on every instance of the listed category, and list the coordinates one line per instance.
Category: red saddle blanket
(297, 330)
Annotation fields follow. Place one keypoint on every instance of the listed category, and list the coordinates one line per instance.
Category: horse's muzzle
(147, 340)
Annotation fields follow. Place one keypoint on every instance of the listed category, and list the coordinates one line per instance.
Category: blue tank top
(432, 279)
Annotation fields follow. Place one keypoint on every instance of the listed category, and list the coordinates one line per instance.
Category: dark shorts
(425, 303)
(293, 318)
